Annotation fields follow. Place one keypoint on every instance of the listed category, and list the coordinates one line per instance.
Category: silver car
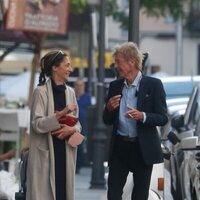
(184, 174)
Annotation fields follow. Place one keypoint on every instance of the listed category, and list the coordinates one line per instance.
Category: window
(178, 89)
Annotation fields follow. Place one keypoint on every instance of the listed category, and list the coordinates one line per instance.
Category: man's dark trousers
(126, 156)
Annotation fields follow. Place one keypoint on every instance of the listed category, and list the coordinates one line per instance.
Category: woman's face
(61, 73)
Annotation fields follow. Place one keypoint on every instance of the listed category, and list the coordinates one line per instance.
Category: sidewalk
(82, 185)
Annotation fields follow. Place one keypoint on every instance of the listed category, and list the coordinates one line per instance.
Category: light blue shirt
(127, 126)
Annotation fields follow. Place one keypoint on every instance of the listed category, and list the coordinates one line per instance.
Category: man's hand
(113, 102)
(135, 114)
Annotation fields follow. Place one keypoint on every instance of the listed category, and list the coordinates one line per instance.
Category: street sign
(50, 16)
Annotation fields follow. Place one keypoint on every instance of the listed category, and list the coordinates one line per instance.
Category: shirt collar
(136, 80)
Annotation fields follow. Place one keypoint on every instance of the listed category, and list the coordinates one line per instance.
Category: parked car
(190, 167)
(178, 90)
(188, 170)
(179, 86)
(186, 130)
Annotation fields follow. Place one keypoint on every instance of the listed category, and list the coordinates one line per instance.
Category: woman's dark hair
(53, 58)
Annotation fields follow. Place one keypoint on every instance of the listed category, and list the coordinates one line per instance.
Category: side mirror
(189, 143)
(172, 137)
(177, 122)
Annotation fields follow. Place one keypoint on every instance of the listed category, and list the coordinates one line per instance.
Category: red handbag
(77, 138)
(69, 120)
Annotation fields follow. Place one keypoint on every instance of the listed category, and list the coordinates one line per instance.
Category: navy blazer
(152, 101)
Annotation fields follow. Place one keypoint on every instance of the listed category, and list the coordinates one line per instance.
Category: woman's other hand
(70, 108)
(64, 132)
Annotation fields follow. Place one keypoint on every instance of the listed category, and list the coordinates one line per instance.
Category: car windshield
(178, 89)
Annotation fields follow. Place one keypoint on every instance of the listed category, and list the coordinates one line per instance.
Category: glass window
(178, 89)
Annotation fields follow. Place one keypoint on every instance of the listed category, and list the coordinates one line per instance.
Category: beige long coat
(41, 166)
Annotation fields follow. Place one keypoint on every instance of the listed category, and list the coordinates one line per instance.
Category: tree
(165, 7)
(77, 6)
(155, 8)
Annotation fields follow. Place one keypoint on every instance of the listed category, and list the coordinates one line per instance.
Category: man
(135, 105)
(84, 102)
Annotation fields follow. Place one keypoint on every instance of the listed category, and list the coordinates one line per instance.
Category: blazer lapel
(141, 93)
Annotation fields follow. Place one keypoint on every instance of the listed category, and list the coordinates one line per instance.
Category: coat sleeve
(159, 115)
(40, 121)
(108, 116)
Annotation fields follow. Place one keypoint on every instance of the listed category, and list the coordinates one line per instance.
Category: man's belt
(127, 138)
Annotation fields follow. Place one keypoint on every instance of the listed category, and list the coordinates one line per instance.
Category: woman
(51, 164)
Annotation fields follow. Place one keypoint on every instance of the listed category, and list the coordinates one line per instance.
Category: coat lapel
(141, 93)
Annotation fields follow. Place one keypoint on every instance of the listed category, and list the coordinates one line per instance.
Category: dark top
(59, 145)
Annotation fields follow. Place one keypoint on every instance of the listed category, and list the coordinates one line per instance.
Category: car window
(178, 89)
(194, 114)
(190, 105)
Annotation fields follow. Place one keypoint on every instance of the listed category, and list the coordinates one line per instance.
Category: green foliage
(121, 17)
(193, 20)
(164, 7)
(111, 7)
(77, 6)
(155, 8)
(80, 6)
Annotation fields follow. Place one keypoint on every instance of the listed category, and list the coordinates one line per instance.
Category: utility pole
(133, 30)
(91, 62)
(179, 47)
(99, 136)
(90, 57)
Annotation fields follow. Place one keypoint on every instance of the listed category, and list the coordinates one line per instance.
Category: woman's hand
(69, 120)
(64, 132)
(68, 109)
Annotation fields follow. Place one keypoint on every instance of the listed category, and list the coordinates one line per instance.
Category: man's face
(124, 67)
